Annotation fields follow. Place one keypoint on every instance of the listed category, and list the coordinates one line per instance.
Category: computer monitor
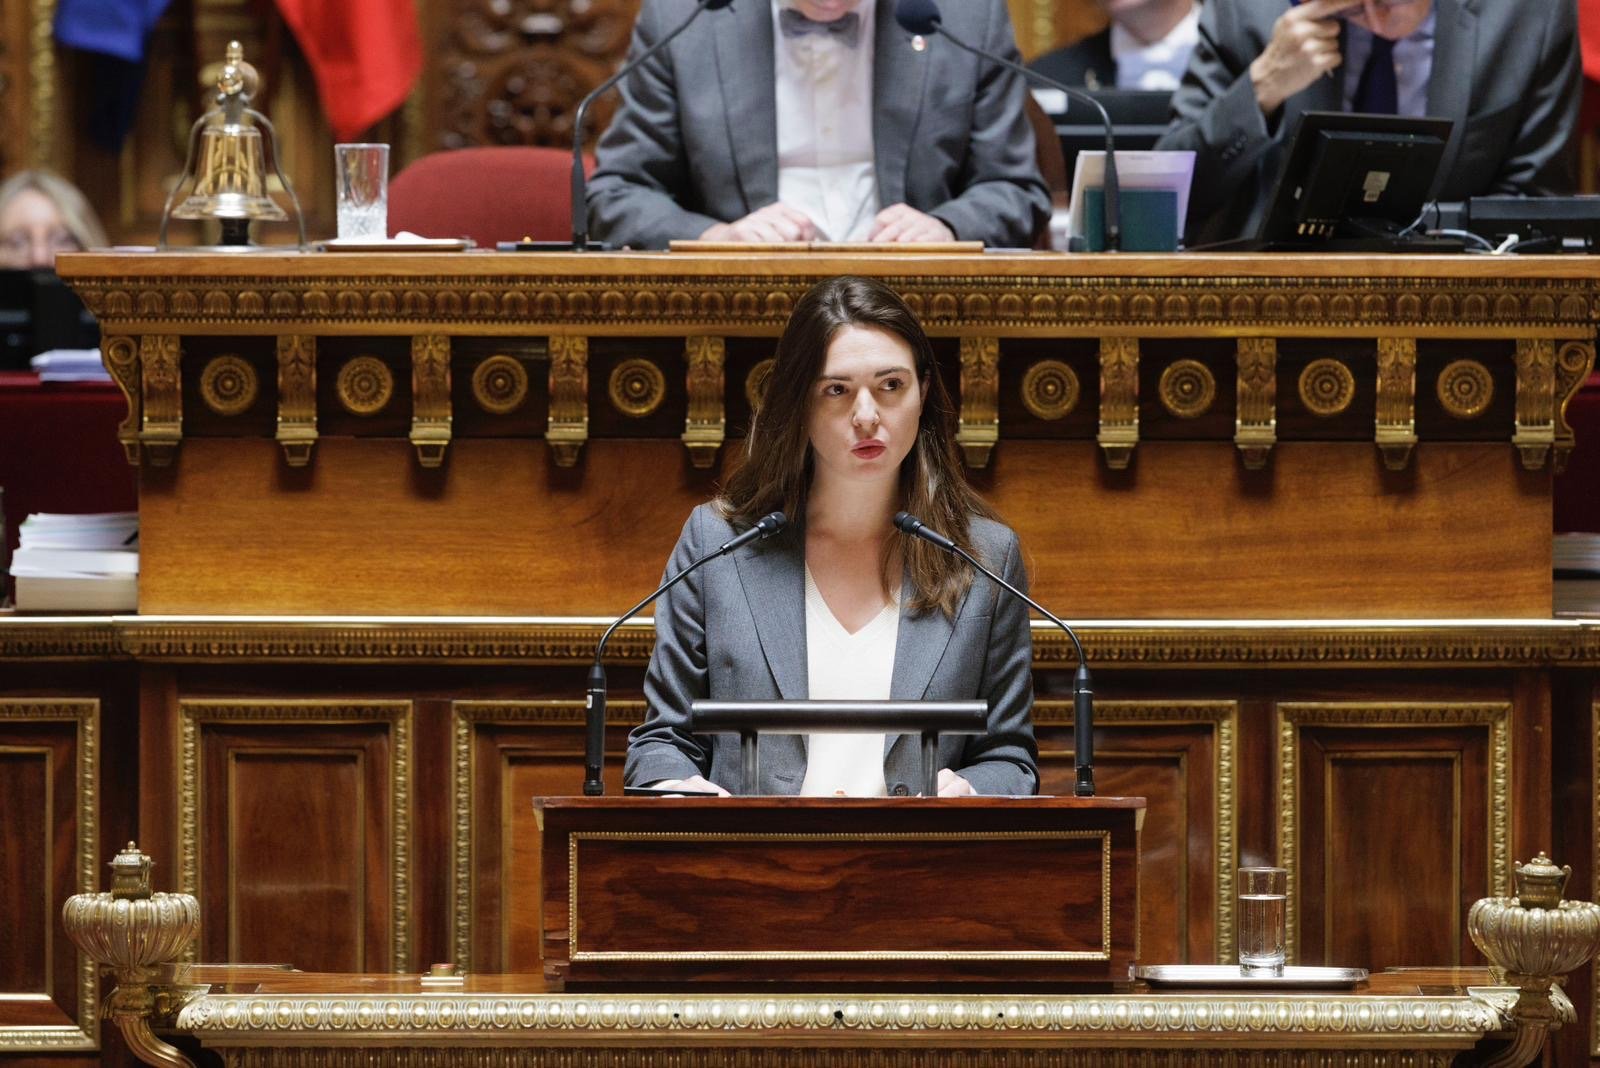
(1352, 179)
(1138, 118)
(40, 312)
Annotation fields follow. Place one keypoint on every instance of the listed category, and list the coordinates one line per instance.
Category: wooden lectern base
(1018, 891)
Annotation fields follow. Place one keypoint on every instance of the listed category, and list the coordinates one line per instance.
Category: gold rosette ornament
(1535, 938)
(134, 932)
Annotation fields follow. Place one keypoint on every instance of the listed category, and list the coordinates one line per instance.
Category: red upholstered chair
(489, 194)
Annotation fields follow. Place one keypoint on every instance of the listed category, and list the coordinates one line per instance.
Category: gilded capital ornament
(134, 931)
(1535, 938)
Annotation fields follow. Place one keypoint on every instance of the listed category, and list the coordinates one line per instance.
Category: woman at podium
(854, 426)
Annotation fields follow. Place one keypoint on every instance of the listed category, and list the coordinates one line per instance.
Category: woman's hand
(696, 783)
(953, 785)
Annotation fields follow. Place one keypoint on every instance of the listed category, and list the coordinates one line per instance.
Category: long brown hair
(776, 472)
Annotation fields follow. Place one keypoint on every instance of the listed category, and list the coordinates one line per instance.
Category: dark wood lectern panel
(26, 831)
(297, 824)
(1397, 824)
(849, 897)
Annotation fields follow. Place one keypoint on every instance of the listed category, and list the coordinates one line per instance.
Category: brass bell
(227, 162)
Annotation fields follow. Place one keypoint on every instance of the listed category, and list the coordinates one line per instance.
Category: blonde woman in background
(42, 214)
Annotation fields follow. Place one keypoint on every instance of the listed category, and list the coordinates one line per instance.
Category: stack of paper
(1576, 559)
(78, 562)
(70, 365)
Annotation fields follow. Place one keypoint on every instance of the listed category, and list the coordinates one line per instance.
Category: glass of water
(1263, 893)
(362, 191)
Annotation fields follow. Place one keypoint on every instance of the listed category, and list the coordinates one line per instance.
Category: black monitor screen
(40, 312)
(1354, 175)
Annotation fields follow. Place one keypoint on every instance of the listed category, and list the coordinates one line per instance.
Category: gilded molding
(430, 397)
(1256, 411)
(636, 387)
(1465, 389)
(831, 1056)
(161, 428)
(195, 714)
(1327, 387)
(42, 73)
(1050, 390)
(1396, 427)
(1574, 363)
(706, 426)
(1292, 717)
(978, 429)
(500, 384)
(120, 354)
(85, 715)
(1044, 304)
(297, 397)
(1187, 389)
(568, 426)
(228, 385)
(1253, 1018)
(465, 717)
(1223, 718)
(755, 383)
(1119, 400)
(570, 640)
(364, 386)
(1536, 409)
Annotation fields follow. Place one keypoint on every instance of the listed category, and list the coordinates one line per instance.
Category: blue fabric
(111, 27)
(1378, 92)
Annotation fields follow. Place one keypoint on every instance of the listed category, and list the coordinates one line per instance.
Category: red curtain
(365, 55)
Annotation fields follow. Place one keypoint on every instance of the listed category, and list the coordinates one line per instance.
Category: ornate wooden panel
(1387, 813)
(49, 849)
(506, 753)
(1180, 756)
(294, 830)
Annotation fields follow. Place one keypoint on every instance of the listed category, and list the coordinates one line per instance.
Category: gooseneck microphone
(922, 17)
(580, 181)
(594, 742)
(1082, 689)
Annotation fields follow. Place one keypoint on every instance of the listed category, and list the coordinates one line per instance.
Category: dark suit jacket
(695, 141)
(1087, 63)
(1506, 72)
(736, 629)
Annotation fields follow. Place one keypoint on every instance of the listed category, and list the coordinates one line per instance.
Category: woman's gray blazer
(736, 630)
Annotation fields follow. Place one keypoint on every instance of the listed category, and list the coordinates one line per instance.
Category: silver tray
(1231, 975)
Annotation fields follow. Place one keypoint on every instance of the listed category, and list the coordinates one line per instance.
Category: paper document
(1135, 170)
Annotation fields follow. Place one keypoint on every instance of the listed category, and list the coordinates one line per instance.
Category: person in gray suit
(1506, 73)
(854, 426)
(801, 120)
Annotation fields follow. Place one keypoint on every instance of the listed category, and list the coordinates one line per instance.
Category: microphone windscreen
(771, 523)
(917, 16)
(906, 522)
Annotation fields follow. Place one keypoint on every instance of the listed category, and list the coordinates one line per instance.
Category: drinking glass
(1263, 893)
(362, 191)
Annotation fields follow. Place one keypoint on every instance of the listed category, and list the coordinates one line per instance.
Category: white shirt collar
(1160, 64)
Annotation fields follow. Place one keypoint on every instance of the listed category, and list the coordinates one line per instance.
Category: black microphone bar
(580, 181)
(594, 742)
(1082, 689)
(922, 17)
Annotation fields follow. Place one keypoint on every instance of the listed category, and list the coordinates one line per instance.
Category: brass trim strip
(1536, 409)
(297, 397)
(1574, 363)
(1223, 717)
(1119, 400)
(120, 354)
(44, 89)
(1291, 716)
(85, 713)
(194, 713)
(978, 425)
(576, 954)
(465, 717)
(1395, 432)
(161, 428)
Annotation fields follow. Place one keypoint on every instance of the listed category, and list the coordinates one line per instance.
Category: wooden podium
(864, 891)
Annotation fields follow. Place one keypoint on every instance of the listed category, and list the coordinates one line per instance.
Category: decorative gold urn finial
(134, 931)
(1535, 938)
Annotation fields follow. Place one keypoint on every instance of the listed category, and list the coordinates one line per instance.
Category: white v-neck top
(841, 666)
